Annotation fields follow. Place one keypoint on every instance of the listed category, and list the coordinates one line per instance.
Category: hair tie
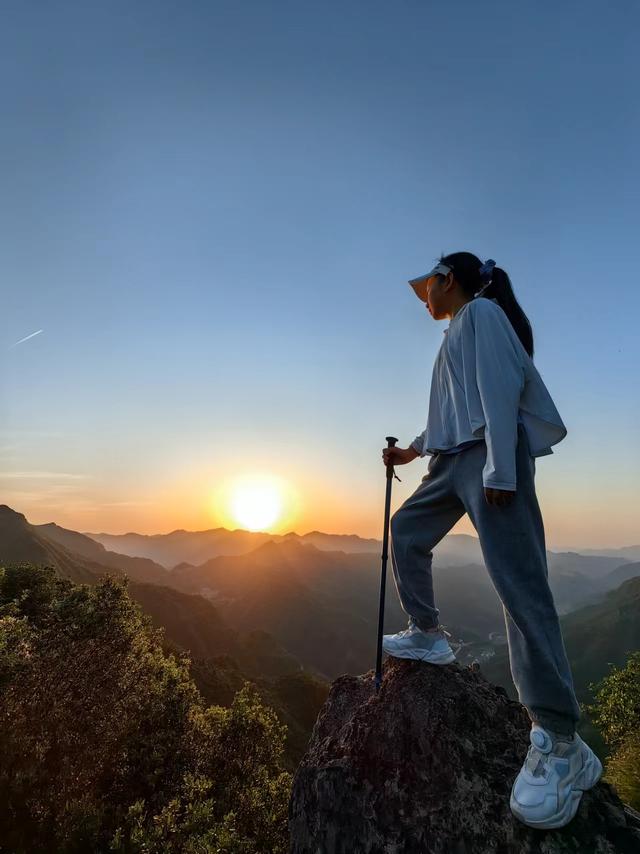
(486, 275)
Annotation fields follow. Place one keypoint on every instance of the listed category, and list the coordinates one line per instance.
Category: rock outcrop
(425, 766)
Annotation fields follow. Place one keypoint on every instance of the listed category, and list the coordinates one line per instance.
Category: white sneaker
(422, 646)
(547, 791)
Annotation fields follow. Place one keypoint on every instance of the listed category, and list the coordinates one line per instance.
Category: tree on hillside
(106, 742)
(617, 714)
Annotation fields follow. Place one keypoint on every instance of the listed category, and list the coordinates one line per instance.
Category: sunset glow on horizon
(255, 502)
(256, 506)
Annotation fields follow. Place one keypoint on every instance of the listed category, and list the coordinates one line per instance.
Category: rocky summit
(425, 766)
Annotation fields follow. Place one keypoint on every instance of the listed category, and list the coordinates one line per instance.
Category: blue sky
(212, 210)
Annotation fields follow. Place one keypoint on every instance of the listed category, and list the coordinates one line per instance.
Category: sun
(256, 503)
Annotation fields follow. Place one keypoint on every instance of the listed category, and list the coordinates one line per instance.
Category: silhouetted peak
(286, 547)
(268, 545)
(9, 514)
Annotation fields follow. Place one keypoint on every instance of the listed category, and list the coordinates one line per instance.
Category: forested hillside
(107, 744)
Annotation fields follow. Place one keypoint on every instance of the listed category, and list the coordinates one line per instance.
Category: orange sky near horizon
(198, 502)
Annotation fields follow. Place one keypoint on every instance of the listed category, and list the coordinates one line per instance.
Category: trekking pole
(391, 441)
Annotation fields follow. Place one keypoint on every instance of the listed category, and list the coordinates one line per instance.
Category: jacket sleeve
(500, 379)
(418, 443)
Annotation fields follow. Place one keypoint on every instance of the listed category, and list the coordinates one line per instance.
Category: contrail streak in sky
(27, 338)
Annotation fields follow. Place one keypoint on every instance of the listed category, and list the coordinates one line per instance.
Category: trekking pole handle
(391, 443)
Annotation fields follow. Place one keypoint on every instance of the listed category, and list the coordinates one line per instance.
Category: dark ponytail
(466, 270)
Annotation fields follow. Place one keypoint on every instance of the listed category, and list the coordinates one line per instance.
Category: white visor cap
(419, 285)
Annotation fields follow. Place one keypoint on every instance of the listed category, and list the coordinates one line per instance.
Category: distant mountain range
(196, 547)
(139, 568)
(575, 579)
(627, 552)
(223, 657)
(191, 621)
(293, 612)
(316, 606)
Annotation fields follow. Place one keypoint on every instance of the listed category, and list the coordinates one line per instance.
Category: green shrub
(616, 712)
(107, 745)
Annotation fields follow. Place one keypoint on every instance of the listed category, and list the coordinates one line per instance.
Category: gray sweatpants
(513, 546)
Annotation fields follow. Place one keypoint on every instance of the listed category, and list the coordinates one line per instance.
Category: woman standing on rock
(490, 415)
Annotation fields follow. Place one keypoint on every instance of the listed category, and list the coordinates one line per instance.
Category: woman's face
(438, 300)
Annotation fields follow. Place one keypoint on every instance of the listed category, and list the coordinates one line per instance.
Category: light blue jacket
(483, 383)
